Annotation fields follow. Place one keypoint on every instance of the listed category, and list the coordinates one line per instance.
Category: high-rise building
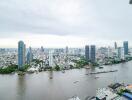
(66, 50)
(66, 56)
(24, 53)
(115, 45)
(42, 49)
(29, 56)
(121, 53)
(125, 45)
(87, 52)
(51, 62)
(21, 54)
(110, 51)
(92, 53)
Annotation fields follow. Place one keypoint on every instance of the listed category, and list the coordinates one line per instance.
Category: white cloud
(55, 41)
(94, 20)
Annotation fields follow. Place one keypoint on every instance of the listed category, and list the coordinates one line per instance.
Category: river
(63, 85)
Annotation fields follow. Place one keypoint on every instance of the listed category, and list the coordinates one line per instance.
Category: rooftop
(74, 98)
(106, 93)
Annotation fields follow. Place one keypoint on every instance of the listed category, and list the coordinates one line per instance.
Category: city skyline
(82, 45)
(56, 24)
(65, 49)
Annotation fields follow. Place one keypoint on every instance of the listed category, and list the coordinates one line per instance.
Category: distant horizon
(119, 44)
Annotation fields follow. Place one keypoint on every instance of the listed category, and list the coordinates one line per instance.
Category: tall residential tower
(90, 53)
(51, 60)
(115, 45)
(29, 56)
(87, 52)
(21, 54)
(125, 45)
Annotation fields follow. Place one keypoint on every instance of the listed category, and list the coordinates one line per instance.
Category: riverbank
(12, 69)
(8, 70)
(79, 64)
(115, 91)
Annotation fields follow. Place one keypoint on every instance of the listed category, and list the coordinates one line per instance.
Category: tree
(57, 67)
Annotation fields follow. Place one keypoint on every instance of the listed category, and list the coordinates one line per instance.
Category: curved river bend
(63, 85)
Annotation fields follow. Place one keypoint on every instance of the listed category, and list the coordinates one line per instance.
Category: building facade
(125, 45)
(115, 45)
(29, 56)
(87, 52)
(51, 60)
(92, 53)
(121, 53)
(21, 54)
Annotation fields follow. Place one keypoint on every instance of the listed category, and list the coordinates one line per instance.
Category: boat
(31, 70)
(51, 77)
(96, 77)
(74, 98)
(75, 82)
(21, 73)
(113, 71)
(86, 74)
(87, 67)
(36, 72)
(40, 70)
(63, 71)
(103, 72)
(101, 67)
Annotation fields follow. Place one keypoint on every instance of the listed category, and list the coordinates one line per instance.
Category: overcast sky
(57, 23)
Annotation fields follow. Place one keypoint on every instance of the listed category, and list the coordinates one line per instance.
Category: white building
(121, 53)
(51, 62)
(106, 94)
(110, 52)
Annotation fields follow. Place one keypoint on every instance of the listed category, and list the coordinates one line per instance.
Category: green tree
(57, 68)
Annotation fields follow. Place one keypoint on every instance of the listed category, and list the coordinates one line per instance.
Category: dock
(104, 72)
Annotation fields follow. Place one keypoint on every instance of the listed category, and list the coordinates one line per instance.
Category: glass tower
(92, 53)
(125, 45)
(21, 54)
(87, 52)
(29, 56)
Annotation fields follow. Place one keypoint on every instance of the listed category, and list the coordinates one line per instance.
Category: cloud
(109, 19)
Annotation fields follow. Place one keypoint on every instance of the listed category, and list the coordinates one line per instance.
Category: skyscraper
(66, 50)
(66, 56)
(21, 54)
(29, 56)
(115, 45)
(92, 53)
(87, 52)
(42, 49)
(24, 53)
(109, 51)
(121, 53)
(51, 62)
(125, 45)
